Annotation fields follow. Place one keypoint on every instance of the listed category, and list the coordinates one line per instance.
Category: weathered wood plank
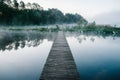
(60, 64)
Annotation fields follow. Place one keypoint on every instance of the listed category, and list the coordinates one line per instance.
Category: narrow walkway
(60, 64)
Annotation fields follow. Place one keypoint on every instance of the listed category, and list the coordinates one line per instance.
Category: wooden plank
(60, 64)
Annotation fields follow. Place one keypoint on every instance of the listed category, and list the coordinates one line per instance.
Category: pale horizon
(89, 9)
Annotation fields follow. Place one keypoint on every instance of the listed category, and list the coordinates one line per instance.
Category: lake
(24, 53)
(97, 56)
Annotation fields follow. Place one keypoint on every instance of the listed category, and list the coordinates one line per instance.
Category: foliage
(32, 14)
(94, 28)
(20, 39)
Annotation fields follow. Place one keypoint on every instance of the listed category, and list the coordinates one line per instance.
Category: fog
(101, 11)
(112, 18)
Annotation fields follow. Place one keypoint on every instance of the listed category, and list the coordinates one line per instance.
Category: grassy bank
(100, 28)
(97, 29)
(42, 29)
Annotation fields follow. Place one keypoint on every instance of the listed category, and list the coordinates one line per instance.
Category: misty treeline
(19, 13)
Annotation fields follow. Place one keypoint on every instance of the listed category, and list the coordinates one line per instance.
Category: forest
(20, 13)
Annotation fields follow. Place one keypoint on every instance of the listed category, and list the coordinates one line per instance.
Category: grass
(101, 29)
(42, 29)
(105, 28)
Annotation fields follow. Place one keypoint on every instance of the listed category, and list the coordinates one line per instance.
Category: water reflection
(82, 36)
(97, 56)
(23, 54)
(14, 40)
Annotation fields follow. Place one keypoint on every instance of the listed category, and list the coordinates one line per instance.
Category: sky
(89, 9)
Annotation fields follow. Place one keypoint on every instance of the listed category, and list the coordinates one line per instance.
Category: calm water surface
(97, 56)
(23, 54)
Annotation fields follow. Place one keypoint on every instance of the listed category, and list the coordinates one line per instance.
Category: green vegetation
(14, 13)
(21, 14)
(10, 40)
(98, 29)
(31, 28)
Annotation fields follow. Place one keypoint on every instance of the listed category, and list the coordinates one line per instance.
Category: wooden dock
(60, 64)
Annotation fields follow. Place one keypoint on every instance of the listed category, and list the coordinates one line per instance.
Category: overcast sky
(89, 9)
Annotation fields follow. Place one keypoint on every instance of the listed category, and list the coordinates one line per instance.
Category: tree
(22, 4)
(69, 18)
(33, 14)
(15, 4)
(55, 16)
(1, 1)
(29, 5)
(8, 2)
(82, 22)
(36, 6)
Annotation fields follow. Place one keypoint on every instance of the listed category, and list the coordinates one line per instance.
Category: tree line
(19, 13)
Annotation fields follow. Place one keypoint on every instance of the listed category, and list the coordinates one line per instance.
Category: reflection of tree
(92, 39)
(83, 38)
(15, 40)
(80, 39)
(82, 35)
